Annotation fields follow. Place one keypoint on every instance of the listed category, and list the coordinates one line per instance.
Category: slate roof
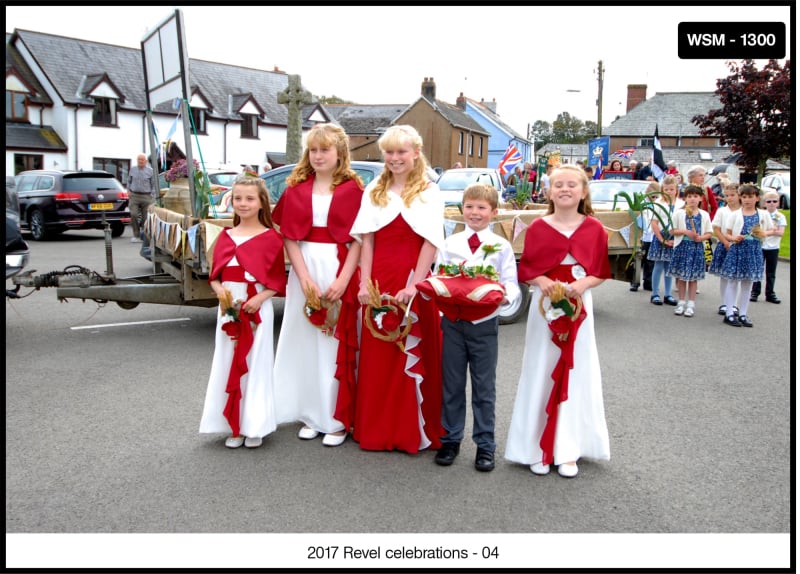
(672, 111)
(496, 119)
(456, 117)
(15, 61)
(356, 119)
(68, 62)
(26, 136)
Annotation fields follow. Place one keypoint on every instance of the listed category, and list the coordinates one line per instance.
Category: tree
(756, 113)
(541, 133)
(332, 100)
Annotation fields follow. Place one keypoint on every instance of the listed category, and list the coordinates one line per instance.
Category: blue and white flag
(657, 159)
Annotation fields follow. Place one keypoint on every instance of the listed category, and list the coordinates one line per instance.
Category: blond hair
(326, 136)
(481, 192)
(394, 138)
(585, 205)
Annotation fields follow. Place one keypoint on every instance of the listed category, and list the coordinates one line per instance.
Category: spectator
(634, 167)
(546, 182)
(671, 168)
(644, 172)
(615, 165)
(770, 247)
(457, 165)
(266, 167)
(141, 194)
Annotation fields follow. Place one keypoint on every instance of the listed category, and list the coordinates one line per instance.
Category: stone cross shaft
(294, 96)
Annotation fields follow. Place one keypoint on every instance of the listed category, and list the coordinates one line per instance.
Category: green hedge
(786, 240)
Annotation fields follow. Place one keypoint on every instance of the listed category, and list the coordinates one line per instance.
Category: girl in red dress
(400, 225)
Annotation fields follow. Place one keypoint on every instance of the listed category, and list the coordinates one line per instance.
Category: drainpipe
(77, 107)
(224, 141)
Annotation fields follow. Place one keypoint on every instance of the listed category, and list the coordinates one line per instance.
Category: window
(26, 162)
(460, 143)
(117, 167)
(249, 126)
(471, 144)
(16, 106)
(646, 142)
(199, 120)
(480, 147)
(105, 112)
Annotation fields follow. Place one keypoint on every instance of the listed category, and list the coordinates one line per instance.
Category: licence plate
(100, 206)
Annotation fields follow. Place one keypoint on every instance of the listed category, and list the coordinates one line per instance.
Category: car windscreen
(91, 183)
(611, 187)
(460, 181)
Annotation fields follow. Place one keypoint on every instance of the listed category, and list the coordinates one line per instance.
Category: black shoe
(670, 300)
(656, 300)
(753, 298)
(773, 299)
(484, 460)
(634, 286)
(744, 321)
(732, 320)
(647, 287)
(447, 453)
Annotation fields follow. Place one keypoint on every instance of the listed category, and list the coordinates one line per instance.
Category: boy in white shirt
(770, 247)
(473, 342)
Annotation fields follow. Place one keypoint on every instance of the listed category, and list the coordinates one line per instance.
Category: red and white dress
(308, 363)
(399, 393)
(239, 396)
(577, 418)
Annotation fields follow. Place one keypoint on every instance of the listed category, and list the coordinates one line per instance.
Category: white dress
(305, 360)
(581, 430)
(257, 407)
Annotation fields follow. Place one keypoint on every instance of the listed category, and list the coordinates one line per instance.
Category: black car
(276, 178)
(53, 201)
(17, 252)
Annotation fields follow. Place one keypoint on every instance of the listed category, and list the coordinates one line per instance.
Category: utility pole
(600, 71)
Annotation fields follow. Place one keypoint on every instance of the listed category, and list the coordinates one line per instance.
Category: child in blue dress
(691, 226)
(744, 262)
(660, 251)
(732, 204)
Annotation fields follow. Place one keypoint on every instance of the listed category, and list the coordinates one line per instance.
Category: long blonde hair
(394, 138)
(585, 205)
(326, 135)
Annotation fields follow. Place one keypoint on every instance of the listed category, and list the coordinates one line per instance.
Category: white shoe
(252, 442)
(540, 469)
(135, 240)
(307, 433)
(334, 439)
(681, 308)
(568, 470)
(234, 441)
(689, 311)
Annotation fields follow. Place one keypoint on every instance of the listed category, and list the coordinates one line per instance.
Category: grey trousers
(138, 204)
(474, 346)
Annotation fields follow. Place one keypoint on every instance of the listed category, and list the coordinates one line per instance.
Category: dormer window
(104, 112)
(199, 120)
(16, 106)
(249, 126)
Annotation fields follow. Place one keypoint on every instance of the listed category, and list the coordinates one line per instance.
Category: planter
(178, 198)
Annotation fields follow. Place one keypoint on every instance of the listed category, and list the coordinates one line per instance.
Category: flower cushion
(464, 298)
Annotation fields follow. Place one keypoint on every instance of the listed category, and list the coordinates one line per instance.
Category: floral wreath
(562, 310)
(386, 318)
(321, 313)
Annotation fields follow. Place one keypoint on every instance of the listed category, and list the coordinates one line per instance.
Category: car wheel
(37, 226)
(117, 228)
(783, 203)
(512, 314)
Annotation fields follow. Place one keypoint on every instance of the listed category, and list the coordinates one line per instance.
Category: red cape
(261, 256)
(545, 248)
(293, 211)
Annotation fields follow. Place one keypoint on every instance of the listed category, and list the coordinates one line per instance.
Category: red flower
(318, 317)
(232, 328)
(390, 322)
(561, 326)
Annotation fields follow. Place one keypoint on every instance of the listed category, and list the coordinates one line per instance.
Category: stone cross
(294, 97)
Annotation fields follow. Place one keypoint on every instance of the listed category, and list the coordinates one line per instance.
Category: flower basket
(320, 312)
(386, 318)
(561, 312)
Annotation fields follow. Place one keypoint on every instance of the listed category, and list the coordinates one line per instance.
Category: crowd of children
(385, 320)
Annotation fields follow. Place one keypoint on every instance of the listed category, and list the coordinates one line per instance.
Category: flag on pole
(510, 158)
(598, 170)
(626, 153)
(658, 166)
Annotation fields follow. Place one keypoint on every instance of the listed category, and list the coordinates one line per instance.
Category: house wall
(435, 131)
(499, 139)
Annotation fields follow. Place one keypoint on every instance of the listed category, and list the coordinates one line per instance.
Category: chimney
(637, 93)
(429, 89)
(461, 102)
(490, 105)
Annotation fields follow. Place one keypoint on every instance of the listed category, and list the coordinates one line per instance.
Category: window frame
(104, 112)
(12, 102)
(249, 126)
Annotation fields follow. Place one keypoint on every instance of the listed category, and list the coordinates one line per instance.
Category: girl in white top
(732, 203)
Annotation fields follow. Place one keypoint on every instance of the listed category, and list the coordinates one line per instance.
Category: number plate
(100, 206)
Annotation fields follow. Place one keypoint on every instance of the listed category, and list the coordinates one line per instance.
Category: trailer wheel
(513, 313)
(128, 305)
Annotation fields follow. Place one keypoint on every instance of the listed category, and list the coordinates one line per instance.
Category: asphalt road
(103, 406)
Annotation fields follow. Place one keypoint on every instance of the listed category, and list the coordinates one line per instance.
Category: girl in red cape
(400, 225)
(558, 412)
(248, 269)
(315, 214)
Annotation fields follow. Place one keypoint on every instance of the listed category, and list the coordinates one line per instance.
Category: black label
(731, 40)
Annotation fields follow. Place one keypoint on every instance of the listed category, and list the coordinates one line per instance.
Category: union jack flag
(626, 152)
(510, 158)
